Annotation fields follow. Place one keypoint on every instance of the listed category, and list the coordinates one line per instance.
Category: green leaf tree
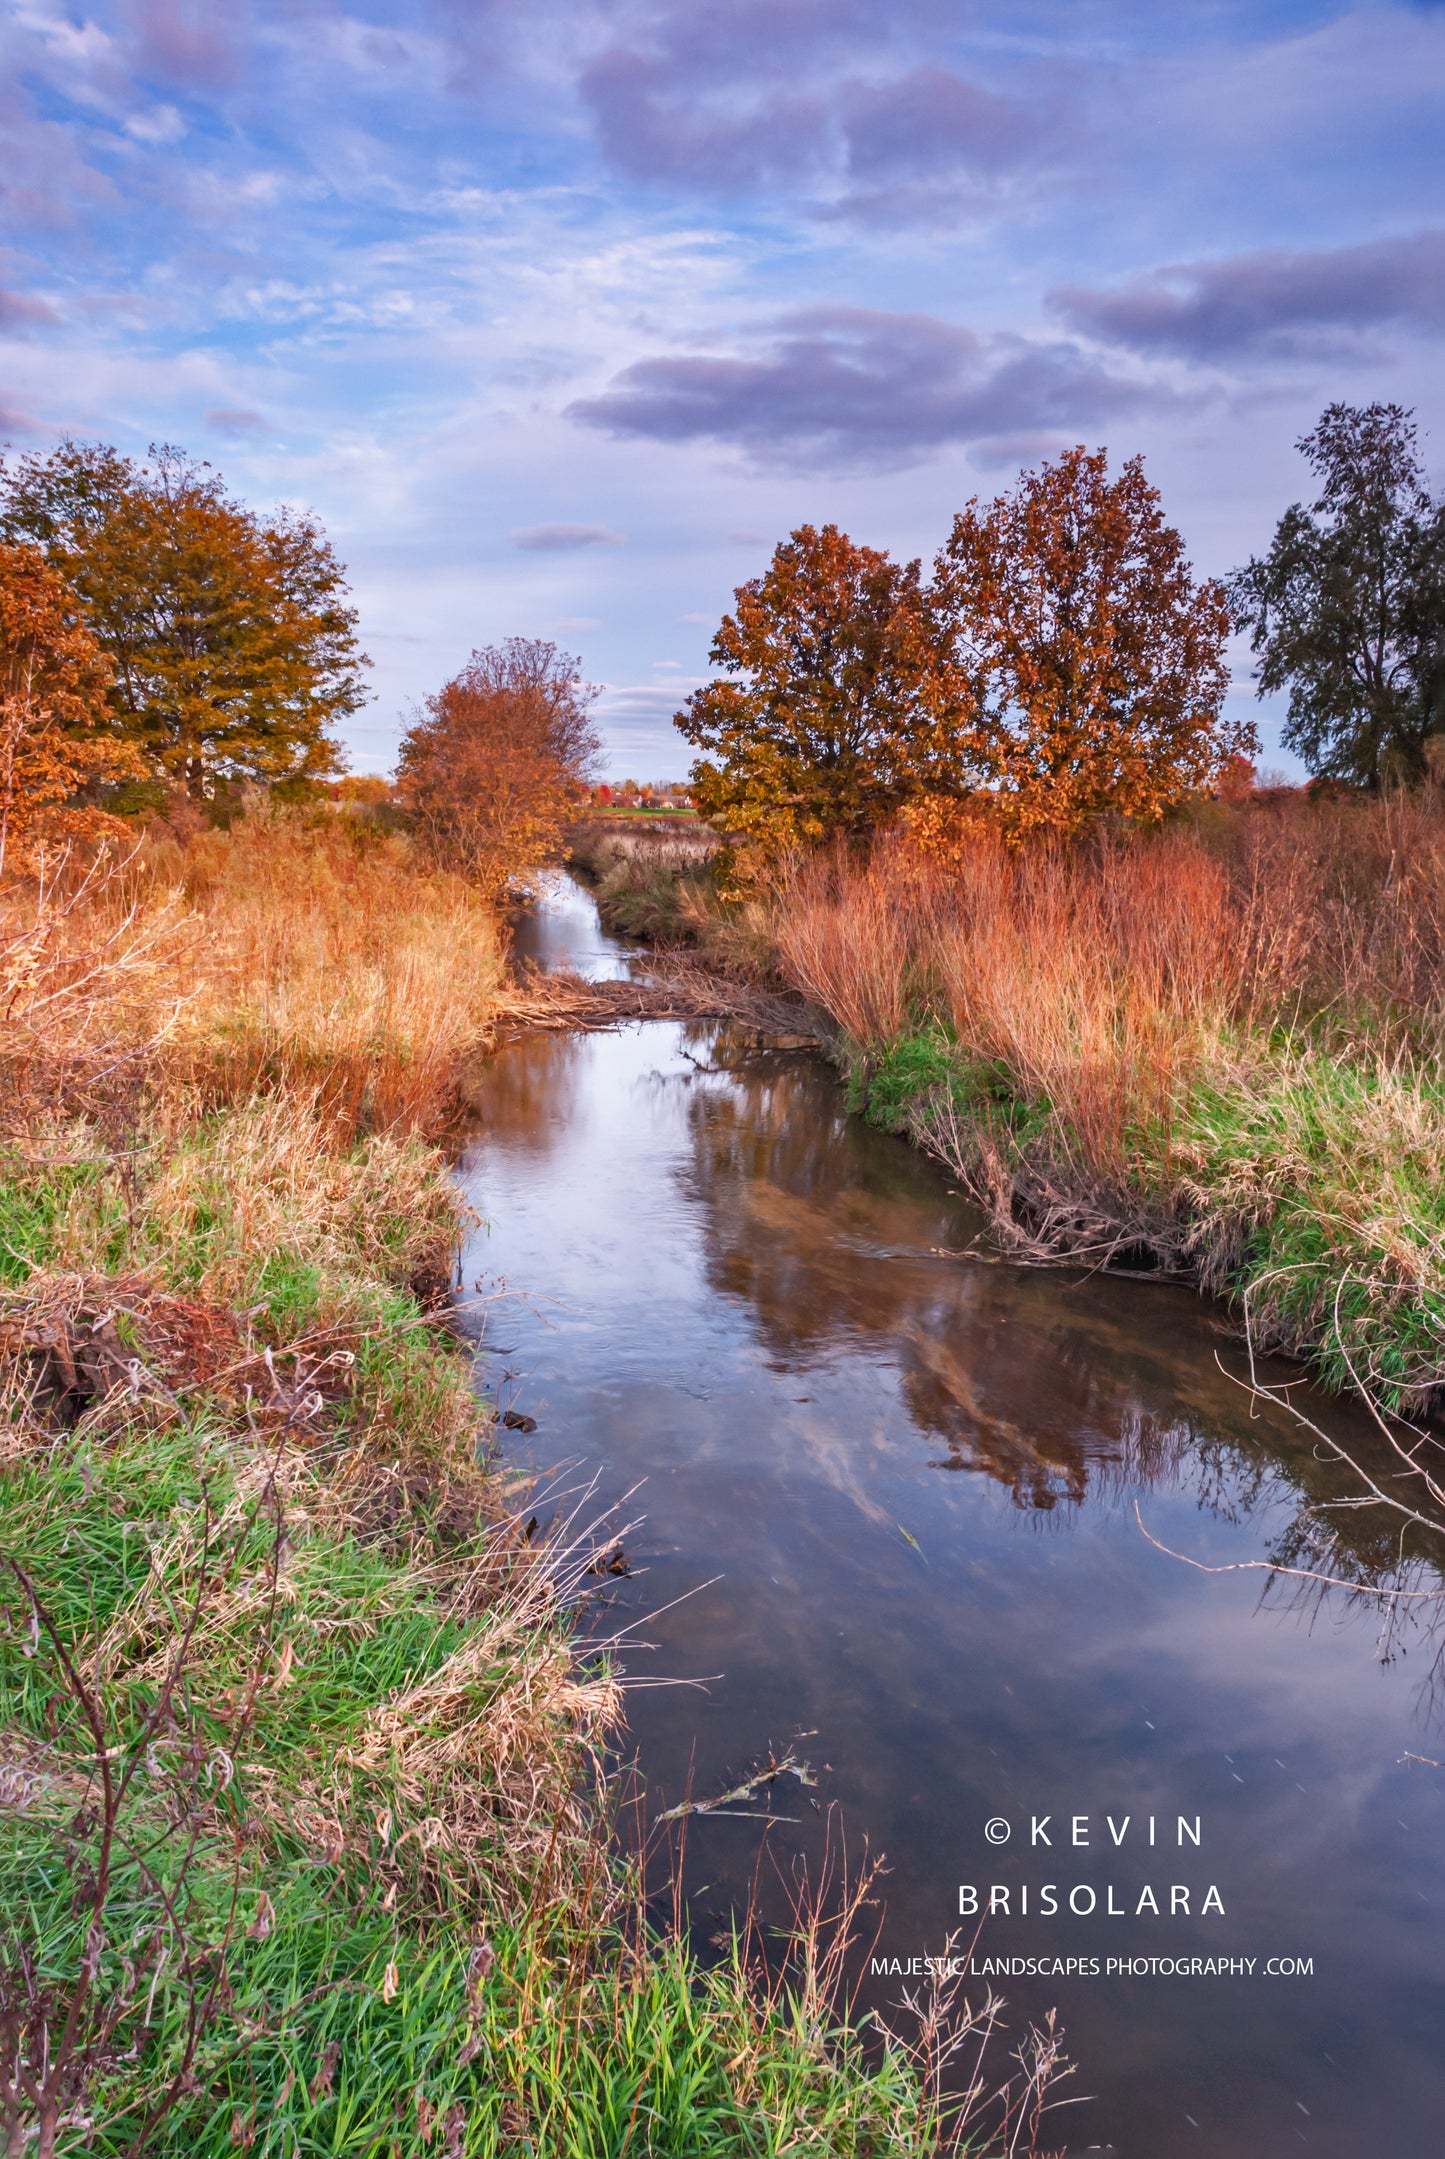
(826, 724)
(1347, 609)
(233, 647)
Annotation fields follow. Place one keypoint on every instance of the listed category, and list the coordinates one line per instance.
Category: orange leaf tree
(827, 724)
(1083, 665)
(58, 741)
(491, 769)
(233, 645)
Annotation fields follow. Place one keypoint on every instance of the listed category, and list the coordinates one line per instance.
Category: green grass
(1308, 1186)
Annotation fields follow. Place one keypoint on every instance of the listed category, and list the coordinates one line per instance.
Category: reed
(1216, 1048)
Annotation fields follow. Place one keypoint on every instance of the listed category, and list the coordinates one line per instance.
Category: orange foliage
(56, 734)
(489, 771)
(1083, 664)
(825, 724)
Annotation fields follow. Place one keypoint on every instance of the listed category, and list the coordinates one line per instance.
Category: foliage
(1084, 666)
(57, 740)
(491, 769)
(826, 726)
(1347, 609)
(232, 644)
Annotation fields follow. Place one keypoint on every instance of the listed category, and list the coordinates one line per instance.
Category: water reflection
(1034, 1378)
(914, 1473)
(560, 929)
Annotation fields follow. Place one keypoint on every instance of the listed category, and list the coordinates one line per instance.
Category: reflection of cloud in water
(840, 1240)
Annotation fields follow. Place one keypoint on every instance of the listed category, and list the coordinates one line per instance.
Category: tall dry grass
(1107, 978)
(329, 956)
(313, 953)
(1222, 1044)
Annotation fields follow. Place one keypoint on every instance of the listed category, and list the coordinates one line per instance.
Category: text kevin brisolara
(1023, 1900)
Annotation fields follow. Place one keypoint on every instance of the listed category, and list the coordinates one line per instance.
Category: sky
(560, 315)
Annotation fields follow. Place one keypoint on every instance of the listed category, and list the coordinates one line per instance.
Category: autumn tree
(59, 743)
(1347, 609)
(493, 766)
(1084, 666)
(233, 647)
(825, 724)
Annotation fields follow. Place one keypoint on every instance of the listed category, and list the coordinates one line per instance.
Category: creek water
(908, 1479)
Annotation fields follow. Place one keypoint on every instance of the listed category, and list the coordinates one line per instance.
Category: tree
(1347, 610)
(827, 725)
(58, 741)
(233, 647)
(1084, 666)
(491, 769)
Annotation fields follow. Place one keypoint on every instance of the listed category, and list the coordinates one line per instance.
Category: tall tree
(58, 738)
(1347, 609)
(826, 725)
(233, 646)
(492, 767)
(1085, 666)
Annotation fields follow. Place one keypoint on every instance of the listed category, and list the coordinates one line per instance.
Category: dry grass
(329, 957)
(1219, 1045)
(314, 952)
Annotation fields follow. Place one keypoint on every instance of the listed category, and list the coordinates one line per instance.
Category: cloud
(864, 387)
(564, 539)
(809, 96)
(234, 420)
(20, 311)
(190, 41)
(930, 122)
(14, 421)
(1269, 302)
(653, 128)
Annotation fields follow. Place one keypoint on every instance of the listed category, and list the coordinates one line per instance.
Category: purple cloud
(868, 387)
(14, 421)
(20, 311)
(190, 41)
(712, 97)
(1292, 305)
(652, 127)
(931, 123)
(234, 419)
(564, 539)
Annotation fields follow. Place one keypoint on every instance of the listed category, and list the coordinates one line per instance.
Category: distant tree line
(1060, 661)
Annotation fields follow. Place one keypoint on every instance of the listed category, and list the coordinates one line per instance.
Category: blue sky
(560, 314)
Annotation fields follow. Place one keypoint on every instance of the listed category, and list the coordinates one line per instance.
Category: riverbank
(306, 1841)
(1216, 1052)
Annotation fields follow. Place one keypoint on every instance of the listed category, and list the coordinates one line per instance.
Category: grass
(649, 882)
(1218, 1049)
(302, 1765)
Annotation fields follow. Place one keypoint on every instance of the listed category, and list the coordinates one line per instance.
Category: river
(890, 1487)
